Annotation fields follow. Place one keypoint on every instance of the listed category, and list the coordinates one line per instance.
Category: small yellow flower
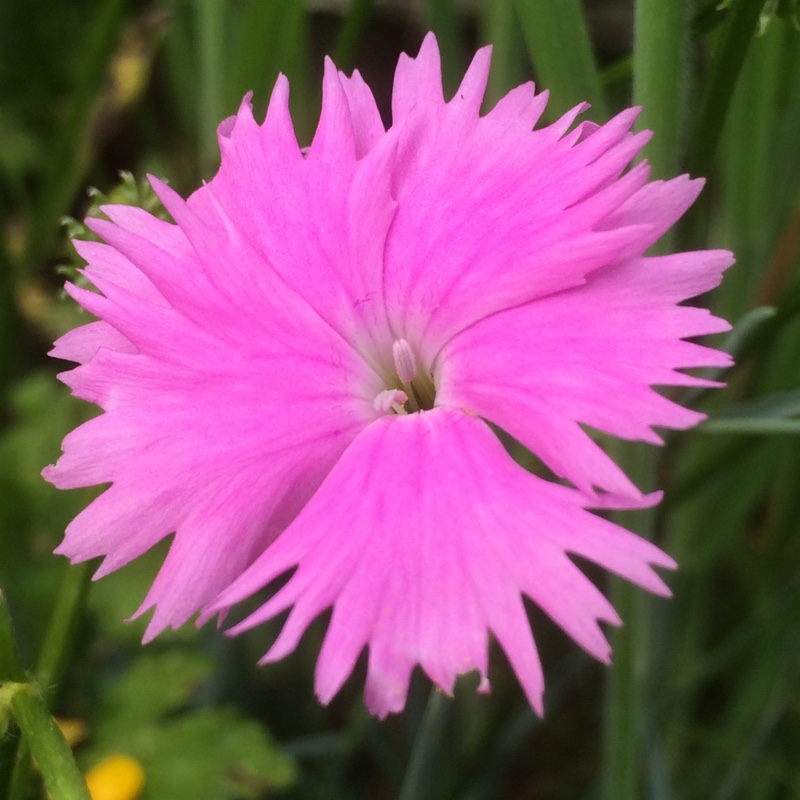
(116, 777)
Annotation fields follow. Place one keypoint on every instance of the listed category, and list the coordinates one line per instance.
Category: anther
(404, 361)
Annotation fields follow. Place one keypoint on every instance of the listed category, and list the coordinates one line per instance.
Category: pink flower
(299, 373)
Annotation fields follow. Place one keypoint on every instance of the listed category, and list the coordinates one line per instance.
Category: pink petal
(81, 344)
(223, 411)
(418, 81)
(367, 124)
(589, 357)
(423, 538)
(305, 216)
(491, 215)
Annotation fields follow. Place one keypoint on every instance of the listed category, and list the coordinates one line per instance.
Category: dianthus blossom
(300, 372)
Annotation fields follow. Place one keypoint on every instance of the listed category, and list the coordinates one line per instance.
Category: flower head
(298, 374)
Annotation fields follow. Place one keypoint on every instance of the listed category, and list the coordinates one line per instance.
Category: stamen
(390, 400)
(404, 361)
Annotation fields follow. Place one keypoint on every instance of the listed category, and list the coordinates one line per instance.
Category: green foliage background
(703, 700)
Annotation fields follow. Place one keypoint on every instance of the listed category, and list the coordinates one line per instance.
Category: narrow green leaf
(777, 406)
(211, 26)
(747, 202)
(559, 46)
(60, 634)
(499, 27)
(423, 764)
(659, 79)
(660, 72)
(753, 426)
(626, 681)
(738, 32)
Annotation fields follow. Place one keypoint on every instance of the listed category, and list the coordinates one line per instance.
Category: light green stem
(22, 701)
(62, 778)
(53, 658)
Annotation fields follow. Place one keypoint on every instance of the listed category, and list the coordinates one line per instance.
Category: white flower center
(411, 389)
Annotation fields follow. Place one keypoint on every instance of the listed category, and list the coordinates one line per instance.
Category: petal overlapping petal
(423, 538)
(225, 406)
(320, 219)
(589, 357)
(526, 219)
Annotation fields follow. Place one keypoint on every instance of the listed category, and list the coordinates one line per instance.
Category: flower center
(411, 389)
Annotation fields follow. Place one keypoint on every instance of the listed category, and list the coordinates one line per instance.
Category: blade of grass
(747, 202)
(423, 764)
(499, 27)
(737, 34)
(559, 46)
(211, 25)
(623, 746)
(753, 426)
(660, 76)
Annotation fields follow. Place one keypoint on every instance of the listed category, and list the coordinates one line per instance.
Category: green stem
(60, 773)
(425, 761)
(738, 32)
(561, 51)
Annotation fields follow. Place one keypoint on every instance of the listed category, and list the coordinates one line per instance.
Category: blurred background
(704, 698)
